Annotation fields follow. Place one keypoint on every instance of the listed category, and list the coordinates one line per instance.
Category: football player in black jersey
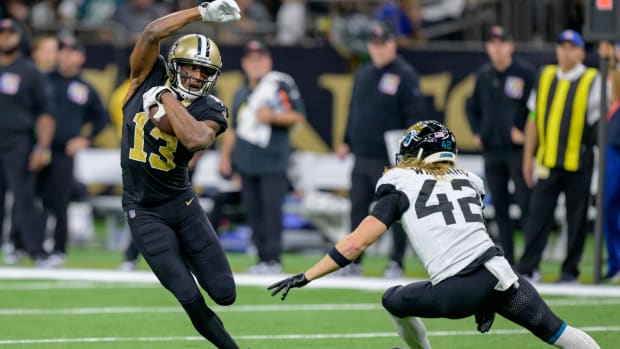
(440, 207)
(166, 221)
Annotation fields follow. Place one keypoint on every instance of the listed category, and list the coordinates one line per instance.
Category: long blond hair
(436, 169)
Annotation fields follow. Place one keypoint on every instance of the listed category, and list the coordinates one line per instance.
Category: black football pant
(366, 173)
(576, 188)
(499, 168)
(55, 194)
(177, 240)
(27, 218)
(262, 198)
(461, 296)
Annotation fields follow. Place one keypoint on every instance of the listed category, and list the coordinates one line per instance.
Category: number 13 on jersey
(163, 160)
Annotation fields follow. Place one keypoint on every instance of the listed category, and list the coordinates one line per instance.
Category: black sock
(208, 324)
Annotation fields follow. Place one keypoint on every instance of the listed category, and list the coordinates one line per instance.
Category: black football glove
(484, 321)
(298, 280)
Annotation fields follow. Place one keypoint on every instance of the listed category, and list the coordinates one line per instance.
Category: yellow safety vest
(561, 108)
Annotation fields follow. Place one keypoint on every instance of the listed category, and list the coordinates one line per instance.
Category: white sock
(412, 331)
(572, 338)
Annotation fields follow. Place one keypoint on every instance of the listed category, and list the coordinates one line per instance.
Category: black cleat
(484, 321)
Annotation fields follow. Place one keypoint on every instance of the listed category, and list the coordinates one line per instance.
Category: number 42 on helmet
(163, 123)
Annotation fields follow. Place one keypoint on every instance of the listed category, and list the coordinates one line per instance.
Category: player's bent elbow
(197, 143)
(152, 32)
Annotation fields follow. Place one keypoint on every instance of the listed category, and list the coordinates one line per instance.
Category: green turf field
(51, 314)
(95, 315)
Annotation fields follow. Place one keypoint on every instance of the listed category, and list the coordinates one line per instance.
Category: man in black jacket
(26, 131)
(386, 96)
(77, 104)
(497, 113)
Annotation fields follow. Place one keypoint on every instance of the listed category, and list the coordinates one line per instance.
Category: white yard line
(360, 283)
(282, 337)
(70, 285)
(556, 303)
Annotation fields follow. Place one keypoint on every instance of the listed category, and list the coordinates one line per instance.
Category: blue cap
(571, 36)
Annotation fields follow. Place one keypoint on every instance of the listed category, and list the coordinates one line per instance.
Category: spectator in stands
(45, 53)
(291, 23)
(611, 203)
(132, 17)
(26, 134)
(94, 13)
(497, 112)
(168, 115)
(405, 16)
(19, 11)
(255, 23)
(564, 109)
(439, 12)
(386, 96)
(47, 14)
(76, 104)
(265, 108)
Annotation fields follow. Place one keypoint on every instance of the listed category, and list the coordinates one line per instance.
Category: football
(163, 123)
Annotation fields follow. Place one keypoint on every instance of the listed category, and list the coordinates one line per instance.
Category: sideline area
(360, 283)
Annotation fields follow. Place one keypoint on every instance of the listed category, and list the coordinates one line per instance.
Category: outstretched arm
(345, 251)
(146, 50)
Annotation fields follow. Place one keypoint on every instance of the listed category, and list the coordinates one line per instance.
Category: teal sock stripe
(557, 334)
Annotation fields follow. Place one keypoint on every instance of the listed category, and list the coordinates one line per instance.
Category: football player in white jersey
(440, 207)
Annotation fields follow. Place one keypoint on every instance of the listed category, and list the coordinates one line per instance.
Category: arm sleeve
(290, 98)
(391, 204)
(529, 77)
(347, 132)
(531, 99)
(42, 95)
(96, 114)
(236, 106)
(210, 108)
(474, 112)
(411, 99)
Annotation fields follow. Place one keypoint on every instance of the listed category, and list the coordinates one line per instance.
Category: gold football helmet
(194, 49)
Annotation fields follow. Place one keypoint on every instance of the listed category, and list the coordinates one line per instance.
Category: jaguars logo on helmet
(428, 141)
(194, 49)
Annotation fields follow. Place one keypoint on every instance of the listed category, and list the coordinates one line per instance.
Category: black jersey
(154, 163)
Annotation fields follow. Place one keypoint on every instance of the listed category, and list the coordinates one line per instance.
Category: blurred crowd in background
(305, 22)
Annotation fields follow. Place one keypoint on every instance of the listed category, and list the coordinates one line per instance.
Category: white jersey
(444, 220)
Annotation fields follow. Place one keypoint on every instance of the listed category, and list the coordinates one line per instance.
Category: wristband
(341, 260)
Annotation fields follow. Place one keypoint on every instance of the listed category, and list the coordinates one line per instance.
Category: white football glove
(152, 97)
(219, 11)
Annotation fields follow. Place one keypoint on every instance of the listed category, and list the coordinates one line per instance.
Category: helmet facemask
(194, 50)
(207, 84)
